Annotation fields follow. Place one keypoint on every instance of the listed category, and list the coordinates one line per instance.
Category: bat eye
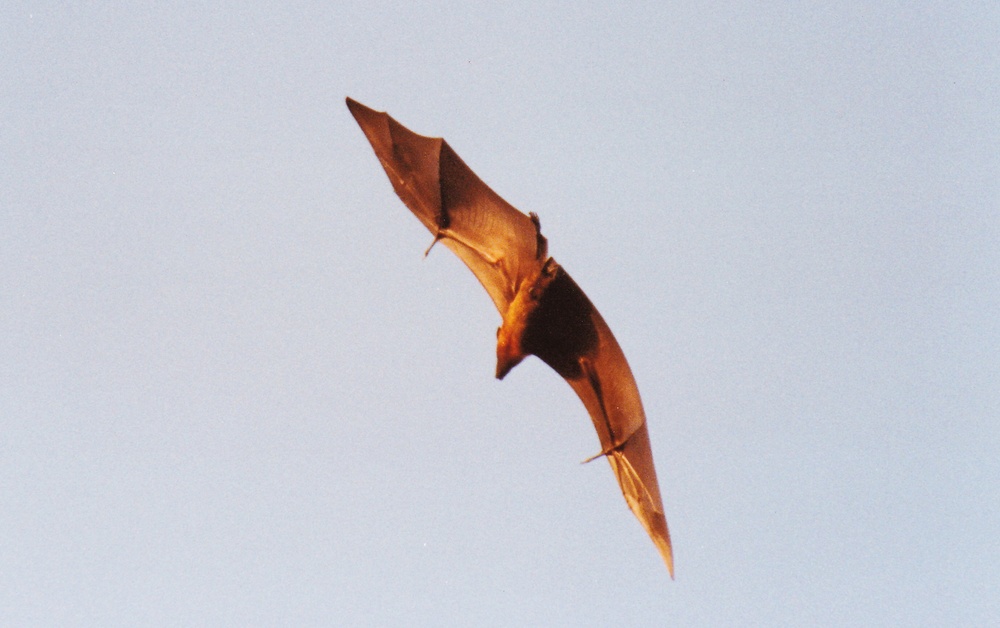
(498, 332)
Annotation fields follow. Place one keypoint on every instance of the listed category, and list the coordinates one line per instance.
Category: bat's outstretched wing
(567, 332)
(501, 245)
(609, 392)
(545, 313)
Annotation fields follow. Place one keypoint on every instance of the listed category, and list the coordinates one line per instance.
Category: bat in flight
(544, 312)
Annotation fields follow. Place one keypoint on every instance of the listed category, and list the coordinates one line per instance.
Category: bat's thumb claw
(606, 452)
(437, 237)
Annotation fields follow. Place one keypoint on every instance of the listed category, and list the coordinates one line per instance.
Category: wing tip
(643, 496)
(656, 526)
(358, 110)
(667, 552)
(374, 124)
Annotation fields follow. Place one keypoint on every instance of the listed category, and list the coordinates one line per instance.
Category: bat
(544, 313)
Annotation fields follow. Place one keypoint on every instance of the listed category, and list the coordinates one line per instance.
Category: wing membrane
(609, 392)
(496, 241)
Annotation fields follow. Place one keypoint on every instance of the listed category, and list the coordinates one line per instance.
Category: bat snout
(506, 363)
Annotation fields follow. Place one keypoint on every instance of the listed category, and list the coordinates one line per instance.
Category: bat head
(509, 353)
(518, 317)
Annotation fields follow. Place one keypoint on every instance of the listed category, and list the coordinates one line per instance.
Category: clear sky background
(232, 391)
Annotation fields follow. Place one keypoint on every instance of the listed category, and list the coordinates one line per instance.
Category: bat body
(544, 312)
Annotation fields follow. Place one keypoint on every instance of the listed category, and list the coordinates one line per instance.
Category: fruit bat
(544, 312)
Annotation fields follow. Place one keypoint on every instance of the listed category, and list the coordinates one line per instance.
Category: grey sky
(232, 392)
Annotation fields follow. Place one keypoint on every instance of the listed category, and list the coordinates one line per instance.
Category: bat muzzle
(505, 364)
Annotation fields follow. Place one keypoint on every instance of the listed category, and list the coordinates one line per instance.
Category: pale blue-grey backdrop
(232, 392)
